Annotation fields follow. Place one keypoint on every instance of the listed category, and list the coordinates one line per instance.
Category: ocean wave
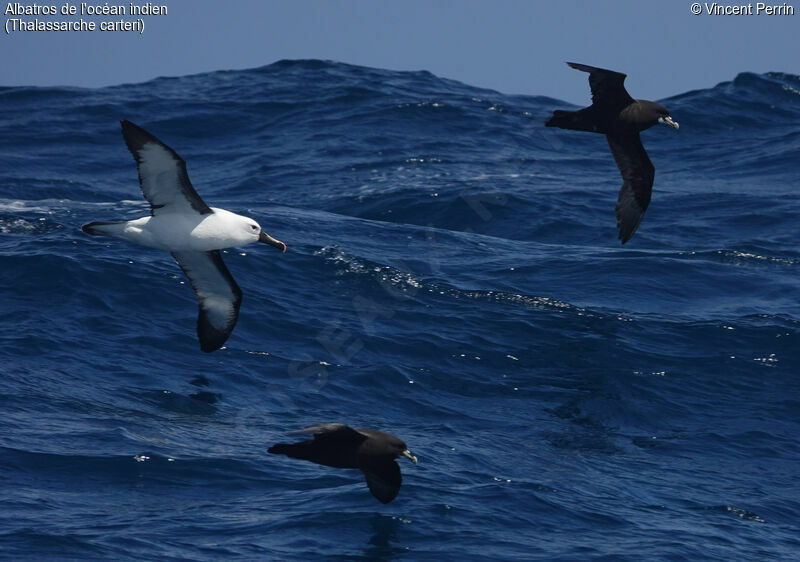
(453, 276)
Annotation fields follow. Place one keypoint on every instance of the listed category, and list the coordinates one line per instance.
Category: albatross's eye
(253, 227)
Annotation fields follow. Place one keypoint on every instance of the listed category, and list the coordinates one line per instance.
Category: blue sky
(514, 46)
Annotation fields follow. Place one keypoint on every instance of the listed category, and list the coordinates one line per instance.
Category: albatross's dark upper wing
(162, 173)
(637, 181)
(608, 89)
(218, 295)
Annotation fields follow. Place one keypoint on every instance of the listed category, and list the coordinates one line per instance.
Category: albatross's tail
(103, 228)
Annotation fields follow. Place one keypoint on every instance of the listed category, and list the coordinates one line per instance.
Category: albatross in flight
(620, 118)
(181, 223)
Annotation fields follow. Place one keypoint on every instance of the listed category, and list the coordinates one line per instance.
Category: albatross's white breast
(176, 232)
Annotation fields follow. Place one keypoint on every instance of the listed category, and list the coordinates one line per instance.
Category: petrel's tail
(325, 453)
(102, 228)
(581, 120)
(302, 450)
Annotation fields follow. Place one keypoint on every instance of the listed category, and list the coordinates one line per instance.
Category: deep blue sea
(453, 277)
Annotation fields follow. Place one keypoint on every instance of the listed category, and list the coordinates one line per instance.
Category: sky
(513, 46)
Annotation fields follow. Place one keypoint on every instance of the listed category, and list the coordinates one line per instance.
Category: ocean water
(453, 277)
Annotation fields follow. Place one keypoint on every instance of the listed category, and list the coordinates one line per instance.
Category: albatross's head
(225, 229)
(257, 235)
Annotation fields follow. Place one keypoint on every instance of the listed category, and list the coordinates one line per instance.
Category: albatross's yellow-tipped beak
(407, 454)
(267, 239)
(668, 121)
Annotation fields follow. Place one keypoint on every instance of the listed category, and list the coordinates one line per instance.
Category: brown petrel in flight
(340, 446)
(620, 118)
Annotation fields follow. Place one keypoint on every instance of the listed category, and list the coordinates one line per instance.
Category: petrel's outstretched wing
(218, 295)
(162, 173)
(637, 181)
(608, 89)
(337, 429)
(383, 477)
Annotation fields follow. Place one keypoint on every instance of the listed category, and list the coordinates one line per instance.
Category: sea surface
(453, 277)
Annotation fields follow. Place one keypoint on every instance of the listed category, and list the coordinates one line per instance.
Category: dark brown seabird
(620, 118)
(340, 446)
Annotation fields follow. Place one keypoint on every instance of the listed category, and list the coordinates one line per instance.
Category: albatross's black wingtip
(211, 338)
(127, 125)
(135, 137)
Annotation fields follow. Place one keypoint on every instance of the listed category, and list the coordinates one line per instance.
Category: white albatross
(181, 223)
